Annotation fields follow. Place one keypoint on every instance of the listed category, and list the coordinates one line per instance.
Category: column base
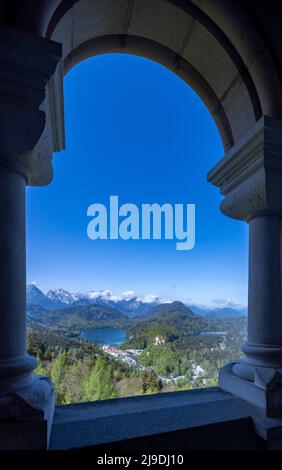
(26, 415)
(264, 391)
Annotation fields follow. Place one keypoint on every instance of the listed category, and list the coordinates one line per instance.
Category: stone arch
(208, 38)
(214, 47)
(179, 38)
(146, 48)
(229, 46)
(230, 53)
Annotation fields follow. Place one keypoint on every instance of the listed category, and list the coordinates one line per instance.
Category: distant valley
(165, 345)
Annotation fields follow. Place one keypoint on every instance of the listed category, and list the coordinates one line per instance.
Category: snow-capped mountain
(63, 296)
(35, 296)
(128, 302)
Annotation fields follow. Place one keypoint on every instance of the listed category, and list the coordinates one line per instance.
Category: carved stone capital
(27, 62)
(250, 174)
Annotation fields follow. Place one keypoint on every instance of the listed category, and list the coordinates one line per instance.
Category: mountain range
(127, 304)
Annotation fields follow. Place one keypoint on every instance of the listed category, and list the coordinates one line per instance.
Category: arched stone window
(230, 54)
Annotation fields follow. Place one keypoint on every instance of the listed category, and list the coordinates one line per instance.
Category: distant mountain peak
(62, 295)
(35, 296)
(32, 288)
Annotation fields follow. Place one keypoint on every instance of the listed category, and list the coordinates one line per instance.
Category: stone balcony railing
(196, 419)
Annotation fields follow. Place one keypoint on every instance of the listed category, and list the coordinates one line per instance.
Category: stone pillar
(14, 362)
(264, 345)
(26, 400)
(250, 178)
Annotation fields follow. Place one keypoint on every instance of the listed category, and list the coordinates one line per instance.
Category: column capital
(27, 62)
(250, 174)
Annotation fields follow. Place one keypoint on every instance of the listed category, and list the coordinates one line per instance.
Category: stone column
(264, 345)
(250, 178)
(26, 400)
(15, 364)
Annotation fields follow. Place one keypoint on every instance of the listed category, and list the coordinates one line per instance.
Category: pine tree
(151, 383)
(99, 384)
(41, 369)
(58, 373)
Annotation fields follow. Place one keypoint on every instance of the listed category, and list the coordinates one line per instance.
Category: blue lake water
(113, 336)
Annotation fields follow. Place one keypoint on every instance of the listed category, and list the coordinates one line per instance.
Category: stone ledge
(209, 415)
(26, 415)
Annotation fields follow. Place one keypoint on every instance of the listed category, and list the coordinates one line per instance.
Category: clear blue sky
(136, 130)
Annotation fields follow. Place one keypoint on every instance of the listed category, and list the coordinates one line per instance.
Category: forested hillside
(179, 350)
